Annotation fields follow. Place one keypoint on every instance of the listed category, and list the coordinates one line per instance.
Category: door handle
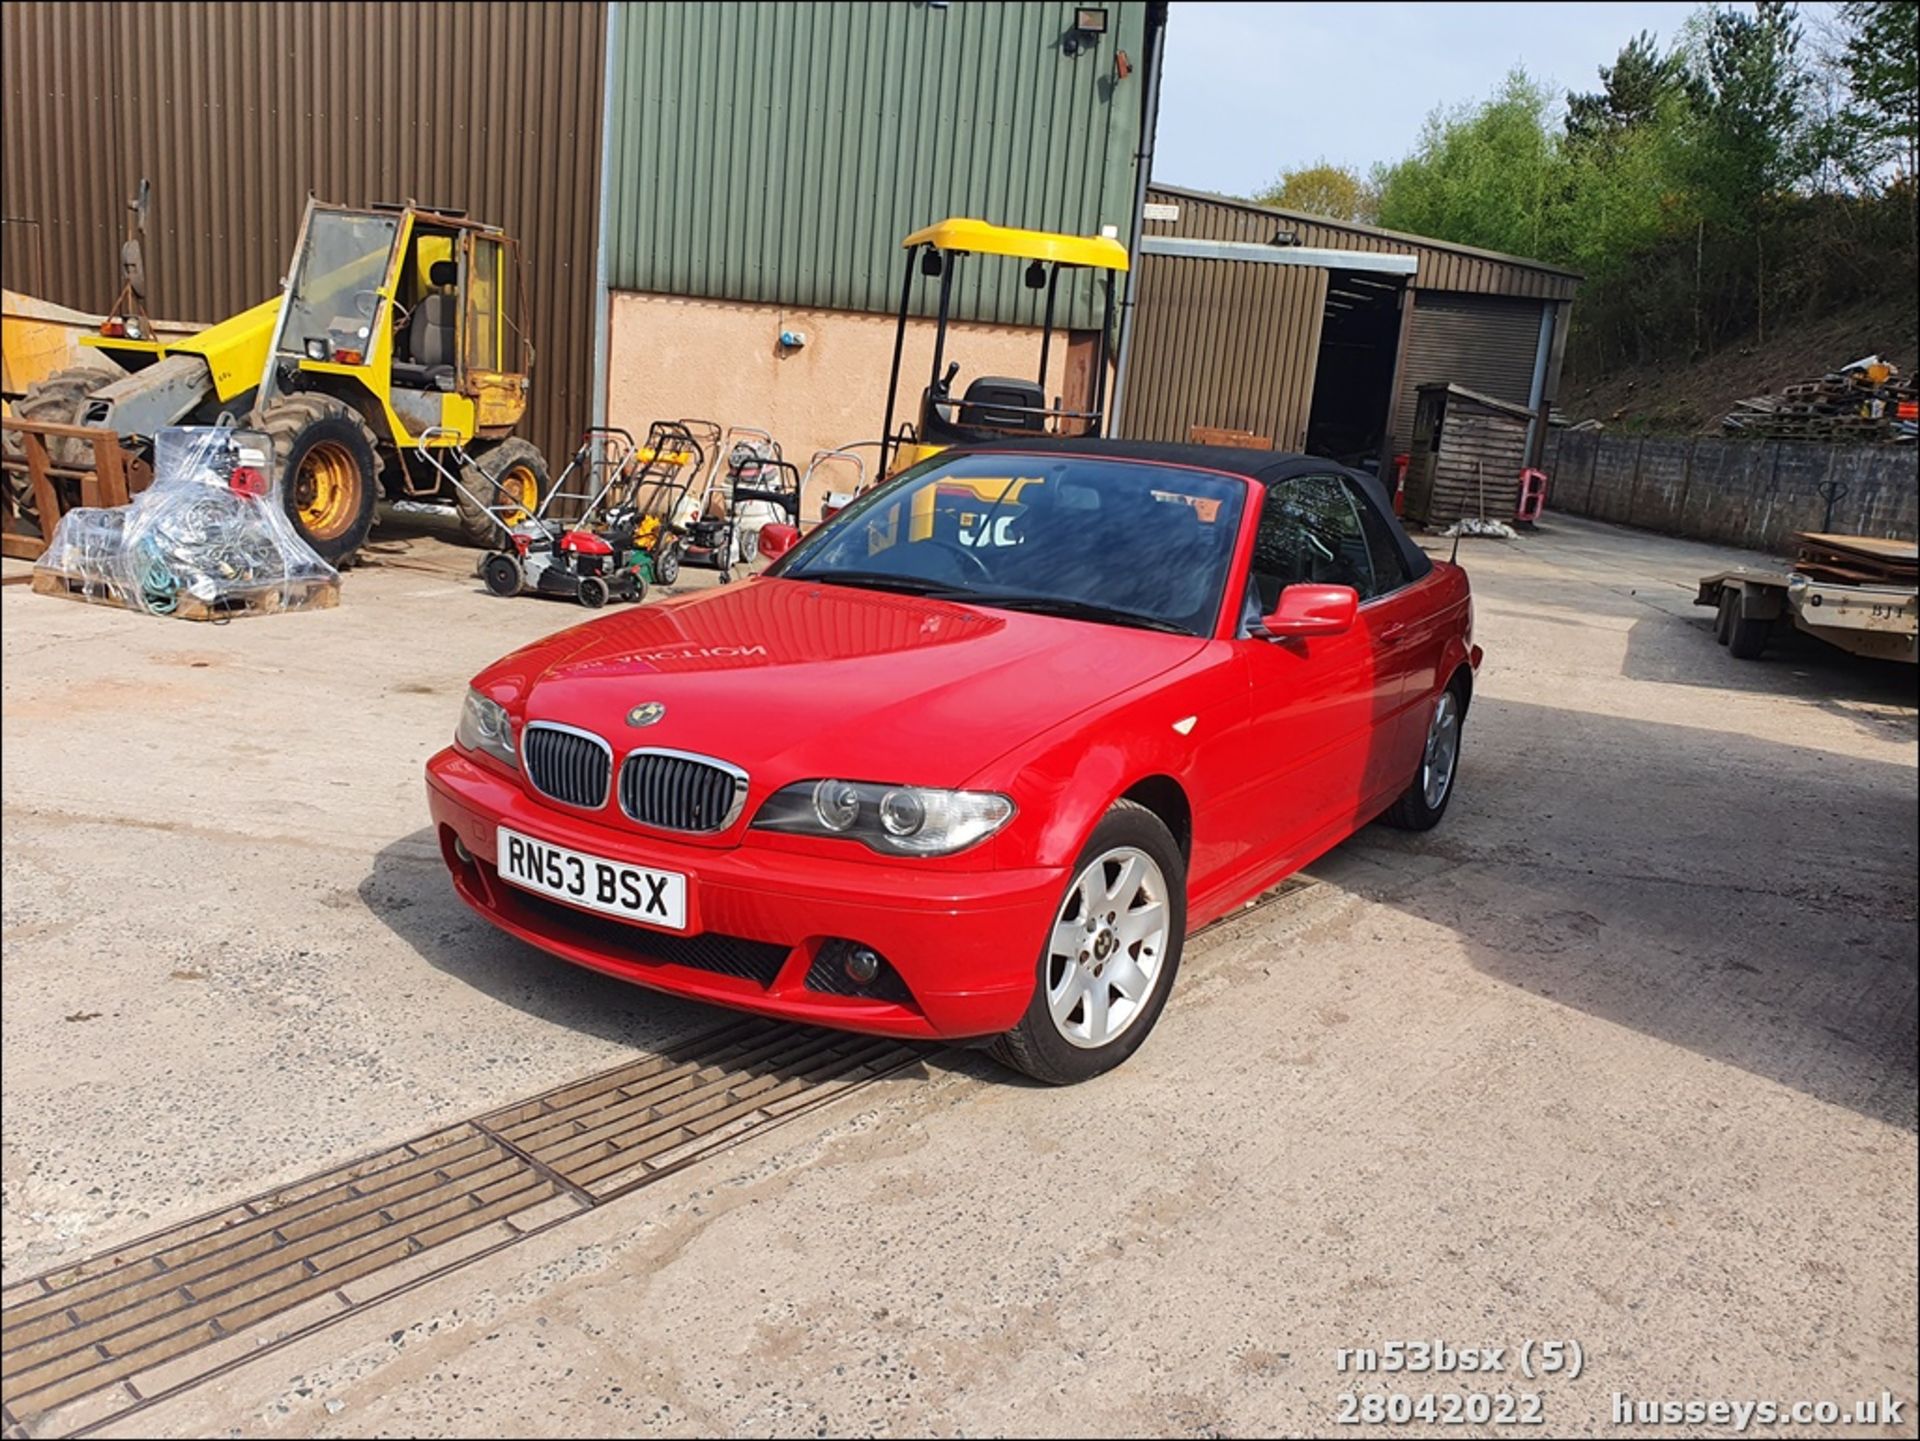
(1396, 635)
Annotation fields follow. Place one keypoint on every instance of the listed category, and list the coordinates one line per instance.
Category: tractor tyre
(327, 467)
(521, 470)
(58, 399)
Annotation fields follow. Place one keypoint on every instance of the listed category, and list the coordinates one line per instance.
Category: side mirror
(777, 538)
(1305, 610)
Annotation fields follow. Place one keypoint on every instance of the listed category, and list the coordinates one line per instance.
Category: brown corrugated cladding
(1232, 344)
(1224, 343)
(1487, 343)
(1442, 267)
(236, 111)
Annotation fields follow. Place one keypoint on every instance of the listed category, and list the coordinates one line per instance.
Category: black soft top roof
(1264, 466)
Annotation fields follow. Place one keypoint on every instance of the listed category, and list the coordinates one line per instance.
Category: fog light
(862, 965)
(460, 850)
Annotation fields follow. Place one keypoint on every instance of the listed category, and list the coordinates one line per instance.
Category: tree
(1482, 175)
(1755, 137)
(1882, 65)
(1321, 188)
(1750, 92)
(1632, 90)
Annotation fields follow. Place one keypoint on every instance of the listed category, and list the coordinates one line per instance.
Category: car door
(1399, 614)
(1322, 707)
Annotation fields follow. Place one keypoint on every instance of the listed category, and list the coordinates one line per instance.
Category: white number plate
(633, 893)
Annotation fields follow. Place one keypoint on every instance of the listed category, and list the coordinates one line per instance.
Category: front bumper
(964, 943)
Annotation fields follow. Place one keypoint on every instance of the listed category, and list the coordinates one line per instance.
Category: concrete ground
(1623, 1053)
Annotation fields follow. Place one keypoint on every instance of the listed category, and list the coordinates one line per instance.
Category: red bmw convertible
(972, 758)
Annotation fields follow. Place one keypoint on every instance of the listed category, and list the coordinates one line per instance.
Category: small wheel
(503, 573)
(1747, 637)
(592, 593)
(1109, 958)
(666, 563)
(746, 547)
(726, 575)
(635, 589)
(1424, 801)
(1728, 613)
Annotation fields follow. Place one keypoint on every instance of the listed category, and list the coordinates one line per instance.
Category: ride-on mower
(994, 406)
(400, 331)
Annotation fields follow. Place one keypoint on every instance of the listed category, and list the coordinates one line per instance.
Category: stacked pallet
(1857, 559)
(1866, 401)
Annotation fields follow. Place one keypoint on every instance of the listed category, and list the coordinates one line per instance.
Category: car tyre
(1728, 613)
(1424, 801)
(1081, 1021)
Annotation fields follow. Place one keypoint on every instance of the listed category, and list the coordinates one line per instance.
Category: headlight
(484, 727)
(896, 820)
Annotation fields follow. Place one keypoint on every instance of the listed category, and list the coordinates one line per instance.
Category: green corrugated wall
(778, 152)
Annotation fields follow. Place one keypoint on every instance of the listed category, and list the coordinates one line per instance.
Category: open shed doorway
(1353, 375)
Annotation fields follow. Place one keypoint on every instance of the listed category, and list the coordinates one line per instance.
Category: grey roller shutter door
(1484, 342)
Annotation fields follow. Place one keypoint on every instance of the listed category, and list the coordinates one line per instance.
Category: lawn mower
(712, 531)
(761, 487)
(851, 469)
(659, 476)
(597, 557)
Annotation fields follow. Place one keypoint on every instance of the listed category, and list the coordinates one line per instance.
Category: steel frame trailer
(1878, 621)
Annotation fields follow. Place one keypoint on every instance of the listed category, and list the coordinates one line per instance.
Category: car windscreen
(1124, 542)
(342, 266)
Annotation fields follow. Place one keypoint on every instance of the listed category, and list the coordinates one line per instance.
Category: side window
(1389, 564)
(1309, 533)
(483, 305)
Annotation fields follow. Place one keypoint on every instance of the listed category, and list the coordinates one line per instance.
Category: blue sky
(1251, 89)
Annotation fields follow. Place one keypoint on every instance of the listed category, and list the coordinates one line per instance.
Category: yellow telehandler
(395, 359)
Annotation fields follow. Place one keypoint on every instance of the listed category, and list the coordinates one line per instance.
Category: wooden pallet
(1856, 559)
(239, 601)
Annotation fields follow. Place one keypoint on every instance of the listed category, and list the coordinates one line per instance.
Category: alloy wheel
(1443, 750)
(1108, 944)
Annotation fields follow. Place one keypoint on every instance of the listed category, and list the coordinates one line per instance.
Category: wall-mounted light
(1284, 236)
(1089, 24)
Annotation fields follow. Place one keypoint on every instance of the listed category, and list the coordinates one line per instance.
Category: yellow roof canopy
(980, 238)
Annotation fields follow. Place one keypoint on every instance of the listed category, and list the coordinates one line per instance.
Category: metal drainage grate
(96, 1340)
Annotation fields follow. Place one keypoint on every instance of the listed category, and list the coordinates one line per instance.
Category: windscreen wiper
(1080, 610)
(885, 580)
